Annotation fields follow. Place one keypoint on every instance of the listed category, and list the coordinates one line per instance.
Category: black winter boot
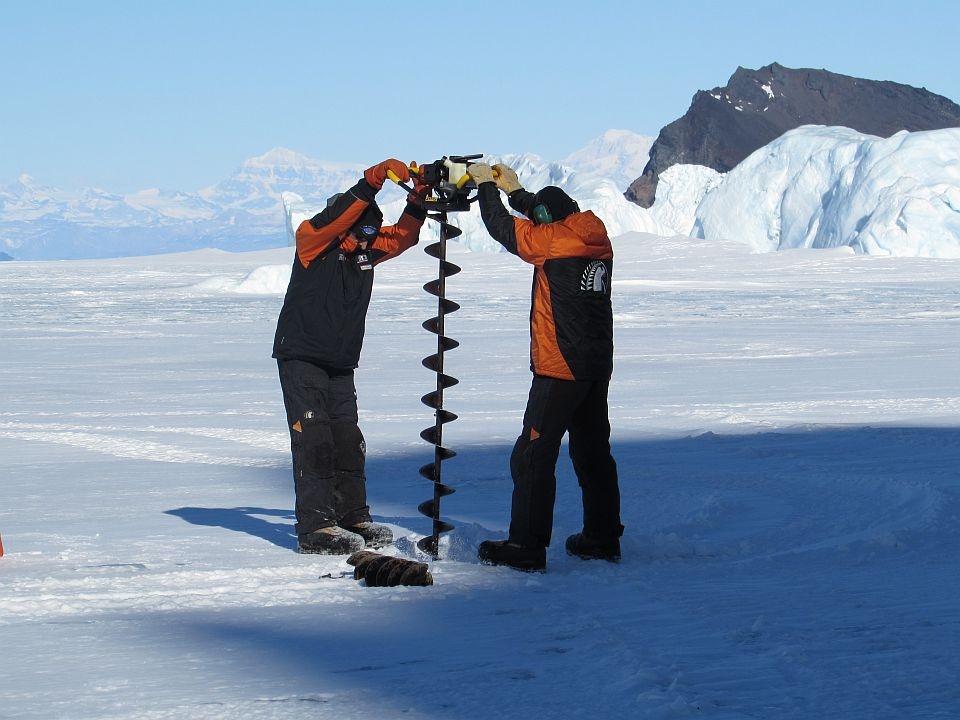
(519, 557)
(589, 548)
(373, 534)
(330, 541)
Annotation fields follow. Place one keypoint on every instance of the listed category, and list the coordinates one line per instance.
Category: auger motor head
(450, 185)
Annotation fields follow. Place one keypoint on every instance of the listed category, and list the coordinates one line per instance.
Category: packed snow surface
(786, 429)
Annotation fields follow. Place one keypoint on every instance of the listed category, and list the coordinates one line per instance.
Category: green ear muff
(541, 215)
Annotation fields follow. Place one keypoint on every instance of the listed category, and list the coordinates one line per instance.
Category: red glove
(377, 175)
(420, 188)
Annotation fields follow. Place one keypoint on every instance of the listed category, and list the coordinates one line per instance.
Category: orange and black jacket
(571, 317)
(324, 311)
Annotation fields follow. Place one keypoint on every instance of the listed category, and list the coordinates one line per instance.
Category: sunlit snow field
(787, 428)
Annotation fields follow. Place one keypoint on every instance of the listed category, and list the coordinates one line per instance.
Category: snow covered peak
(617, 154)
(278, 156)
(281, 157)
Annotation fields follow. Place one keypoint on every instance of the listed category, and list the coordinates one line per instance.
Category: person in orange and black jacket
(317, 346)
(571, 353)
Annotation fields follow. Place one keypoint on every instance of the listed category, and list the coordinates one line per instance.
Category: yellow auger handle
(396, 178)
(414, 170)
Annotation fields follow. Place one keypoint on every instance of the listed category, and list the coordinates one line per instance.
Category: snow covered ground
(787, 427)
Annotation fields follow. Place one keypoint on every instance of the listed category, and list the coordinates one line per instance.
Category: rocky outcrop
(723, 126)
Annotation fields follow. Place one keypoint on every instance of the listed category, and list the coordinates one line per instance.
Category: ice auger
(434, 398)
(450, 186)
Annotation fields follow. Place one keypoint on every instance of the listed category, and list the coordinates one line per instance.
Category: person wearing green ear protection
(571, 356)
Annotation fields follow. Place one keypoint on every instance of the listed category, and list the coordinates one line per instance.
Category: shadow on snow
(812, 558)
(668, 485)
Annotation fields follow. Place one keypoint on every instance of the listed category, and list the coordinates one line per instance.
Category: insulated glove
(481, 173)
(506, 178)
(377, 175)
(420, 188)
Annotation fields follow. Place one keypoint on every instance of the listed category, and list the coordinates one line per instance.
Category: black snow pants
(556, 407)
(327, 446)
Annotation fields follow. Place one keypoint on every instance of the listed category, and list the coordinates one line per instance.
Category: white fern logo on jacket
(594, 277)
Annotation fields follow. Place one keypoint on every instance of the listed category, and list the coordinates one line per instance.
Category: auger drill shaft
(434, 399)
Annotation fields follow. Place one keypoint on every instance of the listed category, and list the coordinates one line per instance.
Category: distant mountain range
(243, 212)
(878, 190)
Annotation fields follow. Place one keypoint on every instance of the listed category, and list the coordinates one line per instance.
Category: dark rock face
(723, 126)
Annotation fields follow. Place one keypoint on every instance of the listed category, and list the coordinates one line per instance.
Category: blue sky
(126, 96)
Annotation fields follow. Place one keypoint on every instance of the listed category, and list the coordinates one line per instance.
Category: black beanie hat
(557, 201)
(370, 218)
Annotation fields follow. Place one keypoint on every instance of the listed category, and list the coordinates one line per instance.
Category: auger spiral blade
(447, 268)
(433, 435)
(443, 381)
(447, 232)
(430, 545)
(445, 307)
(429, 470)
(427, 507)
(435, 287)
(445, 343)
(434, 399)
